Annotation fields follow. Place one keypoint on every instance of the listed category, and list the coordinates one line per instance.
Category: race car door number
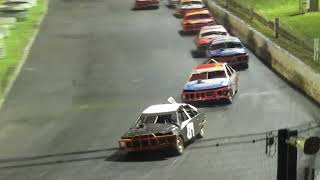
(190, 130)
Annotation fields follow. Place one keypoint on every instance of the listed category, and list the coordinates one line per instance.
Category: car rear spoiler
(172, 100)
(195, 10)
(211, 61)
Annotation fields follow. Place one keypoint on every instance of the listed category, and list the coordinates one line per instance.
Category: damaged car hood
(206, 84)
(228, 52)
(150, 129)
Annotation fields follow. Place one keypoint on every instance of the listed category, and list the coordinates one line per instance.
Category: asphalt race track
(94, 67)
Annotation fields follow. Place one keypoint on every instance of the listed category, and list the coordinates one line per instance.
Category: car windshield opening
(205, 16)
(192, 3)
(157, 119)
(234, 45)
(216, 74)
(213, 33)
(218, 46)
(198, 16)
(193, 17)
(195, 77)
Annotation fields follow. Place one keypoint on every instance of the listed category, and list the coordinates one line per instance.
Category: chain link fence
(243, 157)
(255, 156)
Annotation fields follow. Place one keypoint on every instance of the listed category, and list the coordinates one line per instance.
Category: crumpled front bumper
(147, 142)
(206, 95)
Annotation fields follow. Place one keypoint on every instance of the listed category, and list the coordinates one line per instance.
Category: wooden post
(316, 50)
(306, 173)
(301, 8)
(2, 49)
(226, 3)
(251, 13)
(313, 174)
(312, 5)
(276, 27)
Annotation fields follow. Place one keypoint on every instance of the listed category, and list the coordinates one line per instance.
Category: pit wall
(280, 60)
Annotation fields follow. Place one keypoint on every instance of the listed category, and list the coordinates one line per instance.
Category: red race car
(146, 4)
(194, 21)
(208, 34)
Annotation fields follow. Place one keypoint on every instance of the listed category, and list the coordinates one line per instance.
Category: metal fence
(255, 156)
(241, 157)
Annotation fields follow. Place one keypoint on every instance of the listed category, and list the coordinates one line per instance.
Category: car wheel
(132, 154)
(230, 99)
(201, 133)
(245, 66)
(178, 150)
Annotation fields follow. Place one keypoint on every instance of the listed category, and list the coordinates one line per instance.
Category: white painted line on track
(24, 58)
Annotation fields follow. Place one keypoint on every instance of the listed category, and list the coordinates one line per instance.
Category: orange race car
(185, 6)
(194, 21)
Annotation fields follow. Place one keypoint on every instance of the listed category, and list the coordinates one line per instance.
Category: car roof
(208, 68)
(162, 108)
(219, 28)
(204, 11)
(225, 39)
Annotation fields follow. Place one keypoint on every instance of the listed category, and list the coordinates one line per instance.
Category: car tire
(179, 148)
(245, 66)
(201, 133)
(230, 99)
(132, 154)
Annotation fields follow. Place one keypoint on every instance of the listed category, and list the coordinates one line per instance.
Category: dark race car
(164, 126)
(146, 4)
(228, 49)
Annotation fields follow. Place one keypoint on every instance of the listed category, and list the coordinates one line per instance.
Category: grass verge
(288, 11)
(17, 41)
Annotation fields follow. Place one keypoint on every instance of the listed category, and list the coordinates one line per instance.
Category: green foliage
(17, 41)
(287, 10)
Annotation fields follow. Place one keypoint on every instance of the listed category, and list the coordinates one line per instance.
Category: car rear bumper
(206, 95)
(233, 60)
(182, 12)
(146, 4)
(173, 2)
(147, 142)
(196, 27)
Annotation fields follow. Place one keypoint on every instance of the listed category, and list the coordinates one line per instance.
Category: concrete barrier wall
(287, 65)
